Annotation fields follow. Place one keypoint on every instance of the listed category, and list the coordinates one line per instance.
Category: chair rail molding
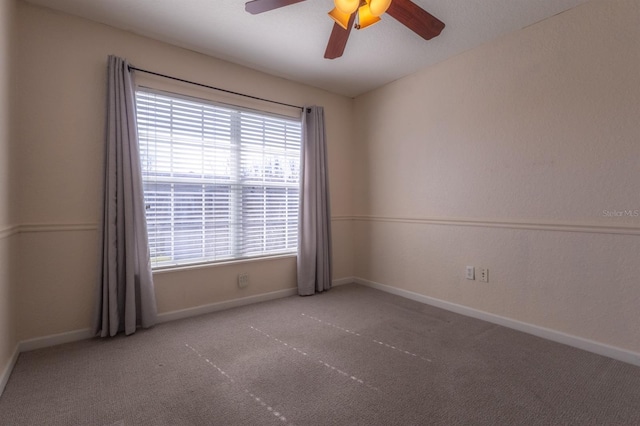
(593, 228)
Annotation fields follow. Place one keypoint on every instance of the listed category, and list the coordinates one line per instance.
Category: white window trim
(226, 260)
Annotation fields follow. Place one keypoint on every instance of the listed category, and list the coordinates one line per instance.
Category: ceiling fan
(361, 14)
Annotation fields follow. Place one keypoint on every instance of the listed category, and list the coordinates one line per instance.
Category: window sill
(164, 269)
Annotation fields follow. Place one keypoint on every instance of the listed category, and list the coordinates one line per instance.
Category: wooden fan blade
(258, 6)
(416, 18)
(338, 39)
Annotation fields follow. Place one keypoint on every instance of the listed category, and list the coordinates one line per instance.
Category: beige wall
(7, 240)
(6, 12)
(60, 126)
(506, 157)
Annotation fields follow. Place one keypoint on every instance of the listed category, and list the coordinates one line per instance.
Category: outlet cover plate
(483, 274)
(243, 280)
(470, 273)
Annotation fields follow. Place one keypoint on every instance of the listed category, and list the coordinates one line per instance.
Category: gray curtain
(126, 294)
(314, 229)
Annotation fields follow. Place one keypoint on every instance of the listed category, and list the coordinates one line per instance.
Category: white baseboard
(343, 281)
(546, 333)
(54, 339)
(76, 335)
(4, 377)
(233, 303)
(206, 309)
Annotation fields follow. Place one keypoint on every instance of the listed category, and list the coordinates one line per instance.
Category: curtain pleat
(126, 297)
(314, 234)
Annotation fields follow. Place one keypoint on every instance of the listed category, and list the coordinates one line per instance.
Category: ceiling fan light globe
(347, 6)
(379, 7)
(341, 18)
(365, 17)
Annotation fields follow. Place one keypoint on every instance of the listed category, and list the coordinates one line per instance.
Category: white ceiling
(290, 42)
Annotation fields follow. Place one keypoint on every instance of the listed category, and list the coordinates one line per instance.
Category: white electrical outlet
(483, 274)
(471, 273)
(243, 280)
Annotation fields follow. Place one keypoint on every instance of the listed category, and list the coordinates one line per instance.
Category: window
(220, 182)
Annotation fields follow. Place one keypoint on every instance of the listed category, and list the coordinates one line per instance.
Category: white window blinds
(220, 182)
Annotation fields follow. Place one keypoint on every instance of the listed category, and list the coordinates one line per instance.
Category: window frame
(236, 255)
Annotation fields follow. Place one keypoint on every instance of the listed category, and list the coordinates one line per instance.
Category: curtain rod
(212, 87)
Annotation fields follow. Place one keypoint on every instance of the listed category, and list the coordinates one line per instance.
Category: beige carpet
(351, 356)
